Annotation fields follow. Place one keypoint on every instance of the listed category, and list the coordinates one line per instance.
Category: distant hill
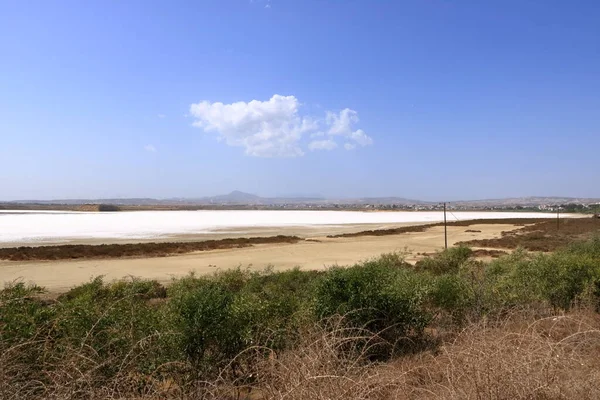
(235, 197)
(239, 198)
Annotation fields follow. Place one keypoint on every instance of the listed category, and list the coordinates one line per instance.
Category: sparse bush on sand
(521, 326)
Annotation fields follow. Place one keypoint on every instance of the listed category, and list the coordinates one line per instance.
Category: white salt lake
(37, 227)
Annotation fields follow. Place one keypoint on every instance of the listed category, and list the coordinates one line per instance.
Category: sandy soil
(315, 252)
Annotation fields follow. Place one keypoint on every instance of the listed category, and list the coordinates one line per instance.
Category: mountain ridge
(237, 197)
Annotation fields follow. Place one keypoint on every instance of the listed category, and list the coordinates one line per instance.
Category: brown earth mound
(97, 208)
(546, 235)
(423, 228)
(65, 252)
(489, 253)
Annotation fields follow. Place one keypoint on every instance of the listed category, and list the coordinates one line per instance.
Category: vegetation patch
(489, 253)
(309, 334)
(424, 227)
(547, 235)
(78, 251)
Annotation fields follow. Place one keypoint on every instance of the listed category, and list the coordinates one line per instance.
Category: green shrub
(589, 247)
(453, 294)
(201, 326)
(23, 315)
(281, 303)
(511, 281)
(221, 315)
(377, 296)
(558, 278)
(110, 321)
(566, 275)
(445, 262)
(213, 324)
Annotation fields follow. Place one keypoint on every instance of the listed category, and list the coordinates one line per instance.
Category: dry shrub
(76, 372)
(554, 357)
(520, 357)
(330, 362)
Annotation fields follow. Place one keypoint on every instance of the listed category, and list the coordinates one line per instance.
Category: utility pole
(557, 217)
(445, 229)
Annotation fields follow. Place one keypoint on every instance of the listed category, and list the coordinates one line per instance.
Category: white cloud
(361, 138)
(268, 6)
(150, 148)
(349, 146)
(269, 128)
(342, 124)
(275, 128)
(322, 145)
(161, 116)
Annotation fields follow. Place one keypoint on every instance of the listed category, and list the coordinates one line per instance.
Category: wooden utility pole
(445, 229)
(557, 217)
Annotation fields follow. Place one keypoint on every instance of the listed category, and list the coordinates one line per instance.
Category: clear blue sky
(427, 99)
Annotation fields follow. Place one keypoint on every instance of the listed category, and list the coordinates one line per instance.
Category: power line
(445, 229)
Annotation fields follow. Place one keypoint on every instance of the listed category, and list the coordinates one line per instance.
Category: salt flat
(40, 227)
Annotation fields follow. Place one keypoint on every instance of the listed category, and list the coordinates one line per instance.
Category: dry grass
(523, 356)
(554, 357)
(549, 358)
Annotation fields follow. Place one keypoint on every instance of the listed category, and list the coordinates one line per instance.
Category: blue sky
(428, 99)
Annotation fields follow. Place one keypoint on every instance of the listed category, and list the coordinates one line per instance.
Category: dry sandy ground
(314, 253)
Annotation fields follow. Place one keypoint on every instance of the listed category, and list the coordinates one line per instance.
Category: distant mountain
(235, 197)
(241, 198)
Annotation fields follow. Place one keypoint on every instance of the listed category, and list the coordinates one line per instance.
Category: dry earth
(316, 252)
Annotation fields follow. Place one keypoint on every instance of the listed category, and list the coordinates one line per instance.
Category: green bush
(210, 331)
(558, 278)
(281, 303)
(453, 294)
(221, 315)
(445, 262)
(23, 315)
(201, 326)
(590, 248)
(511, 281)
(566, 275)
(376, 295)
(109, 320)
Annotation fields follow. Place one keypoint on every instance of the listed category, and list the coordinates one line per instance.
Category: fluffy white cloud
(361, 138)
(275, 128)
(269, 128)
(349, 146)
(322, 145)
(149, 148)
(342, 124)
